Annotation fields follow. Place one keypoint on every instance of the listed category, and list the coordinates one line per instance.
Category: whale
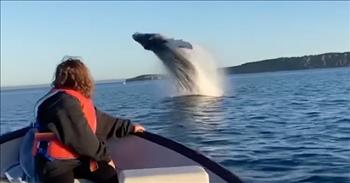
(172, 52)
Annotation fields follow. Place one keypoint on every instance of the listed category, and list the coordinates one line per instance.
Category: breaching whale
(171, 53)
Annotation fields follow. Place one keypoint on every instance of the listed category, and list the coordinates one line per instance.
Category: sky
(36, 35)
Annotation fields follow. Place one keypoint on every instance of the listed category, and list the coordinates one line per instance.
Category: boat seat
(82, 181)
(183, 174)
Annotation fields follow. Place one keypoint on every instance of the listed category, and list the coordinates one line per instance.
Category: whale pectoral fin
(180, 43)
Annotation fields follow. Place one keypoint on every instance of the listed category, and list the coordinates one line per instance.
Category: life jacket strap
(40, 144)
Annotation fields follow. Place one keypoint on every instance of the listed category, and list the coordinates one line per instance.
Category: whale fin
(180, 43)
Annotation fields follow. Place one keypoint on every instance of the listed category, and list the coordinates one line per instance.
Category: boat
(141, 157)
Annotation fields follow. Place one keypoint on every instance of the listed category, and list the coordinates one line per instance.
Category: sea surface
(267, 128)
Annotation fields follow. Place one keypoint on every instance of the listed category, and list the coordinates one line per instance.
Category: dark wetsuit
(62, 114)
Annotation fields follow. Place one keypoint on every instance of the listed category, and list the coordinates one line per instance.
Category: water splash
(208, 81)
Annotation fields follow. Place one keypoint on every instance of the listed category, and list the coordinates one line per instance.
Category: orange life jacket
(55, 148)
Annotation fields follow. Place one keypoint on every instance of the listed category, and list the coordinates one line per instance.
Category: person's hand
(138, 128)
(111, 163)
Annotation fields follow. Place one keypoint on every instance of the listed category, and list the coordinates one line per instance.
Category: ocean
(267, 127)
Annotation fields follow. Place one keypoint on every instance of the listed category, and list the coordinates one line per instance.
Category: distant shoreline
(320, 61)
(325, 60)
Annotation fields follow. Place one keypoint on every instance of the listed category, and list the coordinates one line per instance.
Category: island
(326, 60)
(146, 77)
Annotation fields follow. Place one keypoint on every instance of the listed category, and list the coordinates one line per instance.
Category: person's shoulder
(59, 99)
(67, 100)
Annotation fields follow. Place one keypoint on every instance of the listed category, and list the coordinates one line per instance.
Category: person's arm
(66, 119)
(109, 126)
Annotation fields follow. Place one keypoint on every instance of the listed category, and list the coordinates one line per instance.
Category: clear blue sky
(36, 35)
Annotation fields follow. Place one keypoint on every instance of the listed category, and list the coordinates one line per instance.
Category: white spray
(207, 78)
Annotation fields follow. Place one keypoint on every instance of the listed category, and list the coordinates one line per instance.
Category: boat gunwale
(13, 135)
(191, 154)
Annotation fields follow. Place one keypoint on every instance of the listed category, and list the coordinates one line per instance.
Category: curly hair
(73, 74)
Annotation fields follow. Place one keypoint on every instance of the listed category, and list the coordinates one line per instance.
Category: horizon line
(102, 81)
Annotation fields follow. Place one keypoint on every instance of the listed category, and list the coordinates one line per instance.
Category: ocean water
(268, 127)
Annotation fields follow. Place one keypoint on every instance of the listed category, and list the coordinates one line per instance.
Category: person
(80, 129)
